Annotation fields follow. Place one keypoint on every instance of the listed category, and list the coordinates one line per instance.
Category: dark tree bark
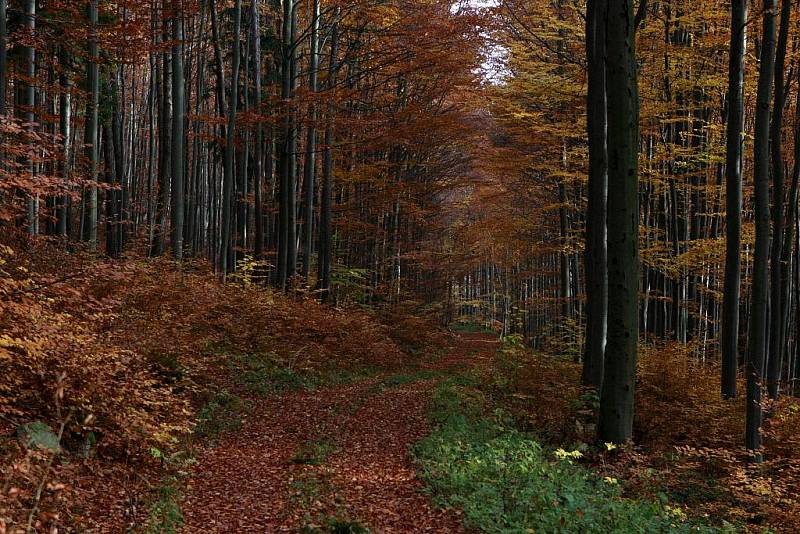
(311, 146)
(326, 215)
(230, 148)
(596, 237)
(258, 157)
(777, 320)
(616, 399)
(729, 341)
(757, 342)
(29, 101)
(3, 57)
(90, 130)
(287, 242)
(178, 133)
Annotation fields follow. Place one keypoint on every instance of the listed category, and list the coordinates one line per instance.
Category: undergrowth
(221, 413)
(165, 512)
(505, 481)
(687, 439)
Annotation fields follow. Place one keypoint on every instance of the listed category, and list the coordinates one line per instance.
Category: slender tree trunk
(616, 400)
(258, 183)
(326, 215)
(29, 89)
(64, 127)
(777, 323)
(787, 257)
(729, 342)
(230, 148)
(3, 57)
(596, 253)
(178, 132)
(287, 242)
(760, 282)
(311, 145)
(90, 130)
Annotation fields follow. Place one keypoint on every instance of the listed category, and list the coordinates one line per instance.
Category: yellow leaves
(562, 454)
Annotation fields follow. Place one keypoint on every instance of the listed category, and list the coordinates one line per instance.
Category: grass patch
(336, 525)
(261, 375)
(472, 328)
(505, 481)
(314, 453)
(409, 378)
(165, 513)
(221, 413)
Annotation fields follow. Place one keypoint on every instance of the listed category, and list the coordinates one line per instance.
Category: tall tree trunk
(29, 101)
(287, 243)
(178, 132)
(3, 57)
(760, 290)
(90, 130)
(311, 145)
(787, 256)
(595, 262)
(64, 127)
(326, 215)
(164, 86)
(258, 183)
(729, 342)
(230, 148)
(777, 321)
(616, 399)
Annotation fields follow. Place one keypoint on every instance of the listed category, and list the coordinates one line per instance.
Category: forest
(392, 266)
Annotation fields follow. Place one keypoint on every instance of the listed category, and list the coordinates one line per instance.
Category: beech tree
(616, 399)
(729, 340)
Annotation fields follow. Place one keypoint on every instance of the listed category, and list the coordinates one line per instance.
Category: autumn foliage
(123, 353)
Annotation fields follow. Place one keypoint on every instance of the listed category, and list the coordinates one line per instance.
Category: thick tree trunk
(729, 341)
(596, 237)
(760, 290)
(616, 400)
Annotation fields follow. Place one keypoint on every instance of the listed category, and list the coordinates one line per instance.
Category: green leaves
(505, 482)
(38, 435)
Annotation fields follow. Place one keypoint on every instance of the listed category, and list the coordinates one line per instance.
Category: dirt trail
(306, 458)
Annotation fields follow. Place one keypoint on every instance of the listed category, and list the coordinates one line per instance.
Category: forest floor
(182, 405)
(335, 458)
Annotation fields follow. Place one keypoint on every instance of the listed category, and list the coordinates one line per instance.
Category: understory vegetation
(119, 386)
(506, 481)
(688, 455)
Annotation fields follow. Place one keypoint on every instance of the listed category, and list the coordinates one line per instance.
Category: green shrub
(506, 482)
(165, 513)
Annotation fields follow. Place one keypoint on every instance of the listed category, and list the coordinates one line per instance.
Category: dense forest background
(610, 188)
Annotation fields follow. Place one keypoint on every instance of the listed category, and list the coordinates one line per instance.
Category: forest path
(335, 457)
